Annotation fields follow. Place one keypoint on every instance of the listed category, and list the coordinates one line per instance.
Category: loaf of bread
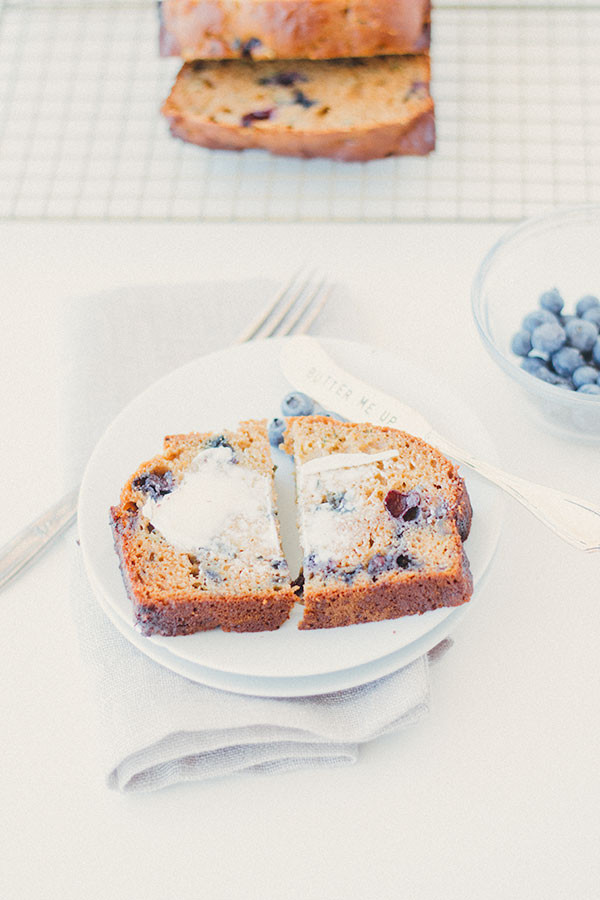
(382, 518)
(197, 536)
(345, 109)
(293, 29)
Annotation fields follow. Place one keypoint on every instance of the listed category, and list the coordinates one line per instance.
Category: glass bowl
(559, 250)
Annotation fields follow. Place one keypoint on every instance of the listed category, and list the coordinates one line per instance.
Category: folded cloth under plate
(157, 727)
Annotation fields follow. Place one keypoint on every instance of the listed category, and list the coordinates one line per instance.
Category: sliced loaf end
(346, 109)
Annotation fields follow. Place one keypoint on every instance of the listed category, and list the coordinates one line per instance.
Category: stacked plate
(215, 392)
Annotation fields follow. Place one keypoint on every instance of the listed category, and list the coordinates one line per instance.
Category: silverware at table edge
(292, 311)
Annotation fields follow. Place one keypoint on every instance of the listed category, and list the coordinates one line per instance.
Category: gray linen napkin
(156, 727)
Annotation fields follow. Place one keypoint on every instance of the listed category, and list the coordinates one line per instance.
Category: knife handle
(35, 537)
(575, 520)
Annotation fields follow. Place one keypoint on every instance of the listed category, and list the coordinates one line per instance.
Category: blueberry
(552, 300)
(592, 315)
(589, 389)
(335, 499)
(403, 506)
(403, 561)
(297, 404)
(581, 334)
(310, 562)
(566, 318)
(348, 575)
(548, 376)
(217, 440)
(548, 338)
(258, 115)
(566, 360)
(155, 484)
(246, 47)
(584, 375)
(377, 565)
(302, 100)
(275, 431)
(418, 89)
(283, 79)
(380, 564)
(536, 318)
(532, 363)
(596, 352)
(585, 303)
(521, 343)
(212, 574)
(281, 572)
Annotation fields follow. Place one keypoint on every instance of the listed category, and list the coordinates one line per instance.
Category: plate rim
(346, 345)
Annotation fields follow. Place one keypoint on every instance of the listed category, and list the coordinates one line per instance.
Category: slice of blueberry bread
(197, 536)
(382, 519)
(293, 29)
(346, 109)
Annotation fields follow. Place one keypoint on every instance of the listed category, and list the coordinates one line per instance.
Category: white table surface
(494, 795)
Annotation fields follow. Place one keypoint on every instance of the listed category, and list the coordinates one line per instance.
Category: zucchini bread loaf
(382, 519)
(197, 536)
(292, 29)
(346, 109)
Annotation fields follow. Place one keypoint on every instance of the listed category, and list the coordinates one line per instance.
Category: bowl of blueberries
(536, 303)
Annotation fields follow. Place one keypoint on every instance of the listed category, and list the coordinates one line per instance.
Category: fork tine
(254, 329)
(278, 319)
(303, 317)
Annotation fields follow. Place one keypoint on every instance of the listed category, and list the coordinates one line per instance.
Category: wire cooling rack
(516, 85)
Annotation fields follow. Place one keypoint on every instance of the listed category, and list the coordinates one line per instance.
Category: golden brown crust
(415, 139)
(388, 598)
(464, 510)
(181, 613)
(293, 29)
(407, 128)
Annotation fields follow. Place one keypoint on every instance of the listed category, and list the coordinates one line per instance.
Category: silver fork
(292, 311)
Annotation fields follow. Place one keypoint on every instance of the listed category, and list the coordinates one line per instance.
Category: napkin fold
(156, 727)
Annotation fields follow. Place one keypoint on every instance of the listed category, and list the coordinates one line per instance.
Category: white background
(494, 795)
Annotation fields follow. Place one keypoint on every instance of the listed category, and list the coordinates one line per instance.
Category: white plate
(300, 686)
(214, 392)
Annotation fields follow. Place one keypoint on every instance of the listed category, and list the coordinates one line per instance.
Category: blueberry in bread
(382, 519)
(293, 29)
(345, 109)
(197, 536)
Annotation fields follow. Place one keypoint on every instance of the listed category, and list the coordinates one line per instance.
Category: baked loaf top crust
(197, 536)
(349, 109)
(293, 29)
(382, 517)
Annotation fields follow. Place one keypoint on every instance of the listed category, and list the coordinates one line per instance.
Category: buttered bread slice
(197, 536)
(382, 518)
